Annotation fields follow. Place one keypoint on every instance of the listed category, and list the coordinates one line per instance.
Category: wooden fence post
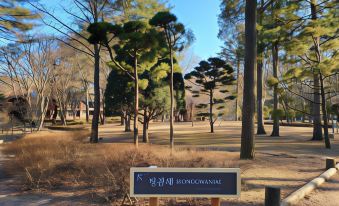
(153, 201)
(215, 202)
(272, 196)
(330, 163)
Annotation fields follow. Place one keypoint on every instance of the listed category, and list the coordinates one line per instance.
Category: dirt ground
(327, 194)
(288, 161)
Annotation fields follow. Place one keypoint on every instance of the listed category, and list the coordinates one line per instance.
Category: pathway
(327, 194)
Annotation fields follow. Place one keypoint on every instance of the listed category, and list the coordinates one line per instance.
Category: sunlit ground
(288, 161)
(292, 140)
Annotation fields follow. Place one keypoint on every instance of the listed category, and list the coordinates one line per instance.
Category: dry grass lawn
(70, 171)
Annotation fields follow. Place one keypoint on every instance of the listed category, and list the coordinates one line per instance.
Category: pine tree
(233, 52)
(154, 100)
(210, 78)
(141, 10)
(14, 18)
(91, 13)
(119, 96)
(260, 73)
(136, 49)
(179, 95)
(247, 129)
(137, 24)
(176, 37)
(236, 12)
(273, 35)
(312, 48)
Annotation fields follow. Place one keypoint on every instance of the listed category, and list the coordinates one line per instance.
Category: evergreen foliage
(14, 18)
(211, 77)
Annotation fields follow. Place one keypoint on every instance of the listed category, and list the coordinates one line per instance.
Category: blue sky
(201, 16)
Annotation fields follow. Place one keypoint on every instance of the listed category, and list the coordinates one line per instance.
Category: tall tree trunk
(62, 116)
(103, 119)
(87, 105)
(55, 114)
(145, 128)
(74, 114)
(324, 110)
(237, 90)
(43, 108)
(285, 108)
(260, 100)
(96, 113)
(62, 112)
(260, 118)
(172, 102)
(319, 77)
(136, 103)
(211, 112)
(128, 123)
(304, 108)
(65, 115)
(191, 114)
(247, 129)
(317, 128)
(122, 118)
(275, 55)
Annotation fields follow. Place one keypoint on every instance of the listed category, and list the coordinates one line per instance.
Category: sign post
(215, 201)
(214, 183)
(154, 201)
